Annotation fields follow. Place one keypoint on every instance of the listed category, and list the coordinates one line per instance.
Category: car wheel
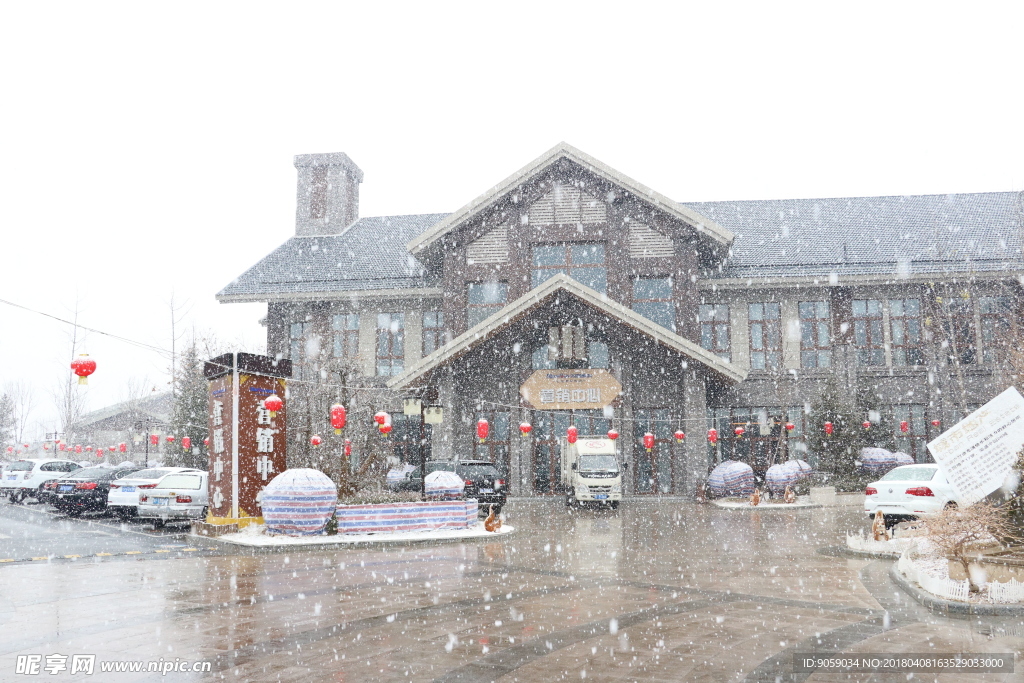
(159, 523)
(951, 505)
(73, 512)
(615, 505)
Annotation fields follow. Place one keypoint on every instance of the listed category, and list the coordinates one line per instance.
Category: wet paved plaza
(660, 590)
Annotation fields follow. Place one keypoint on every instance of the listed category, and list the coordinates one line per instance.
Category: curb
(950, 607)
(773, 508)
(239, 548)
(847, 551)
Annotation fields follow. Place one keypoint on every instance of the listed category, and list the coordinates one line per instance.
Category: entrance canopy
(558, 290)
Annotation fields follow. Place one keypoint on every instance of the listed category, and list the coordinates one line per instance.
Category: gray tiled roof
(774, 238)
(369, 254)
(870, 235)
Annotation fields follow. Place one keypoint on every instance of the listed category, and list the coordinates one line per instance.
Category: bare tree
(23, 401)
(957, 532)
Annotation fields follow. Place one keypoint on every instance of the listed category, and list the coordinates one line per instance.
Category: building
(132, 423)
(570, 293)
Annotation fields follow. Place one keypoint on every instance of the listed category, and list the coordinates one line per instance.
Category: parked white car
(23, 478)
(909, 491)
(123, 499)
(178, 496)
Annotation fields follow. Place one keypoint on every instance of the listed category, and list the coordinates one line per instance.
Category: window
(411, 438)
(390, 344)
(995, 325)
(905, 326)
(485, 299)
(582, 262)
(346, 335)
(542, 358)
(958, 326)
(652, 298)
(761, 442)
(433, 331)
(765, 336)
(867, 332)
(815, 341)
(714, 329)
(597, 354)
(914, 439)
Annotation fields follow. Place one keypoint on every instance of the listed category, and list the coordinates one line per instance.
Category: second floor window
(484, 300)
(905, 326)
(714, 329)
(346, 335)
(390, 344)
(433, 331)
(995, 325)
(652, 298)
(765, 336)
(867, 332)
(815, 338)
(582, 262)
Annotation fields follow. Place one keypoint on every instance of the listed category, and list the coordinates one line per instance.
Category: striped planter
(299, 502)
(731, 478)
(385, 518)
(781, 475)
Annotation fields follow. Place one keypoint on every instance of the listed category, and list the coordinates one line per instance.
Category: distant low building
(571, 294)
(129, 422)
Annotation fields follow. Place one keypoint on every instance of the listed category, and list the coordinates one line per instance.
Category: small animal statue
(755, 498)
(492, 523)
(878, 529)
(789, 496)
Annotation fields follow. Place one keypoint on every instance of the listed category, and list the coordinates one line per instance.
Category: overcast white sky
(147, 149)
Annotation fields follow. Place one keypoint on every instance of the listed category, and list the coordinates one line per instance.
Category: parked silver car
(178, 496)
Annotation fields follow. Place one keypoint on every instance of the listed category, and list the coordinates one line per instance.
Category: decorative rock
(299, 502)
(731, 478)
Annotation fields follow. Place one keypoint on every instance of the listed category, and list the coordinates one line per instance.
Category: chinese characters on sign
(977, 454)
(567, 389)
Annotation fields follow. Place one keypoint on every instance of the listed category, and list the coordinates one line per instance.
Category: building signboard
(570, 389)
(977, 453)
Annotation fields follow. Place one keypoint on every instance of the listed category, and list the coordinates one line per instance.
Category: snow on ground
(743, 503)
(254, 536)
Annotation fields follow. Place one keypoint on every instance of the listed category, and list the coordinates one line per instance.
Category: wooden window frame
(567, 266)
(909, 352)
(868, 326)
(478, 312)
(346, 337)
(390, 346)
(433, 334)
(811, 346)
(994, 315)
(714, 318)
(661, 279)
(770, 357)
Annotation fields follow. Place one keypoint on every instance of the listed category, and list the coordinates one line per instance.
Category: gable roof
(368, 255)
(897, 235)
(562, 150)
(540, 294)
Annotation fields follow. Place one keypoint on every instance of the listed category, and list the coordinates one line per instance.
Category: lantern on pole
(385, 428)
(83, 366)
(339, 416)
(680, 435)
(525, 428)
(613, 434)
(379, 417)
(63, 447)
(866, 424)
(206, 441)
(739, 432)
(713, 435)
(483, 428)
(904, 426)
(123, 447)
(315, 440)
(790, 426)
(348, 447)
(828, 428)
(78, 448)
(154, 439)
(571, 434)
(649, 441)
(186, 443)
(273, 403)
(936, 423)
(170, 438)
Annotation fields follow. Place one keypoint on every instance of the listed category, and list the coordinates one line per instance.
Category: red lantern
(123, 447)
(89, 448)
(649, 441)
(483, 428)
(111, 448)
(10, 449)
(154, 439)
(338, 417)
(26, 445)
(739, 431)
(680, 435)
(186, 443)
(348, 447)
(713, 435)
(46, 447)
(612, 434)
(385, 428)
(83, 366)
(525, 428)
(206, 441)
(790, 426)
(904, 426)
(379, 417)
(828, 428)
(315, 440)
(78, 449)
(571, 434)
(936, 423)
(273, 403)
(866, 424)
(63, 447)
(170, 438)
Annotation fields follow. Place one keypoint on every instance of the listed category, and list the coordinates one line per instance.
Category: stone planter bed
(802, 503)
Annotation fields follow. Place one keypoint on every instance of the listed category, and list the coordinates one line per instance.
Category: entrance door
(653, 473)
(547, 454)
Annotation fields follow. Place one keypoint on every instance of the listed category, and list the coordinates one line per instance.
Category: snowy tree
(7, 421)
(872, 406)
(189, 413)
(836, 452)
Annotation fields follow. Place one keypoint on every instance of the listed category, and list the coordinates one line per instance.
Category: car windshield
(180, 481)
(478, 471)
(911, 474)
(150, 474)
(20, 466)
(604, 463)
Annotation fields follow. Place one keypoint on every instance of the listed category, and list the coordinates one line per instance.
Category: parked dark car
(86, 489)
(483, 481)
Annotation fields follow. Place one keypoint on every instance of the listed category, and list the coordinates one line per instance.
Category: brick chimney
(327, 200)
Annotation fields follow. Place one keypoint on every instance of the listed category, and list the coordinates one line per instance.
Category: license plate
(161, 501)
(486, 490)
(128, 489)
(12, 477)
(65, 489)
(600, 496)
